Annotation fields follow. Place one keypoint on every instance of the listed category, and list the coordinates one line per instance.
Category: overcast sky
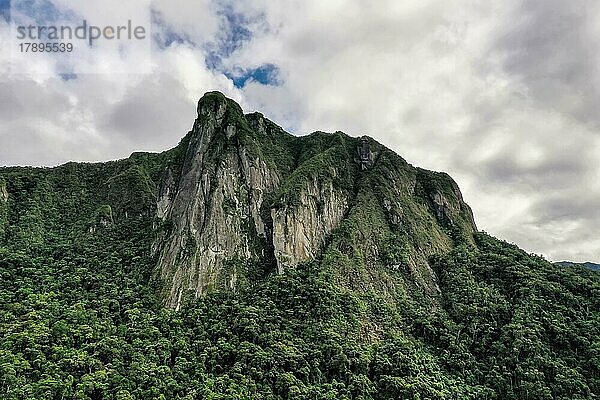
(502, 95)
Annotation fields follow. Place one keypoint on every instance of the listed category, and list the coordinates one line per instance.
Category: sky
(501, 95)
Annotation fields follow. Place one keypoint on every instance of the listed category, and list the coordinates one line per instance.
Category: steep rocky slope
(248, 192)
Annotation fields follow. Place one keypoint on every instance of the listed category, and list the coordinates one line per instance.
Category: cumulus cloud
(114, 102)
(501, 95)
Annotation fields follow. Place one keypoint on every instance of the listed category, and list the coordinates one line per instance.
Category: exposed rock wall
(3, 192)
(3, 207)
(214, 212)
(247, 191)
(299, 232)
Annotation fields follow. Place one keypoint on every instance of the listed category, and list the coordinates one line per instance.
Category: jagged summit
(221, 107)
(249, 192)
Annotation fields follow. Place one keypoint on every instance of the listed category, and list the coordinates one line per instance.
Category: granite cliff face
(248, 193)
(300, 231)
(3, 206)
(214, 210)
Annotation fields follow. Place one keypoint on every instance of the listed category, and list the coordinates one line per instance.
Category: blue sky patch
(266, 74)
(5, 10)
(68, 76)
(41, 11)
(236, 32)
(164, 35)
(168, 37)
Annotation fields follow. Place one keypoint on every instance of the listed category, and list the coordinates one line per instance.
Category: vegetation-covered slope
(402, 301)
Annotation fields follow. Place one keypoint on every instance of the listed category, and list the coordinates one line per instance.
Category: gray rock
(206, 234)
(365, 156)
(299, 232)
(236, 202)
(3, 192)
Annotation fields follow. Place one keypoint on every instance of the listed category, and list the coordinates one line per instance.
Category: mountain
(250, 263)
(248, 191)
(589, 265)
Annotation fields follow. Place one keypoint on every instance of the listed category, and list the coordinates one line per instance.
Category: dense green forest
(79, 319)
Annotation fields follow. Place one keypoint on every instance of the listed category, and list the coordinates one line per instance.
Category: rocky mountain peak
(249, 193)
(221, 114)
(212, 104)
(216, 105)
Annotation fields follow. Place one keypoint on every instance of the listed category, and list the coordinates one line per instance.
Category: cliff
(249, 193)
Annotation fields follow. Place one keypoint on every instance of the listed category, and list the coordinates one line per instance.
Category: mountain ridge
(306, 186)
(588, 264)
